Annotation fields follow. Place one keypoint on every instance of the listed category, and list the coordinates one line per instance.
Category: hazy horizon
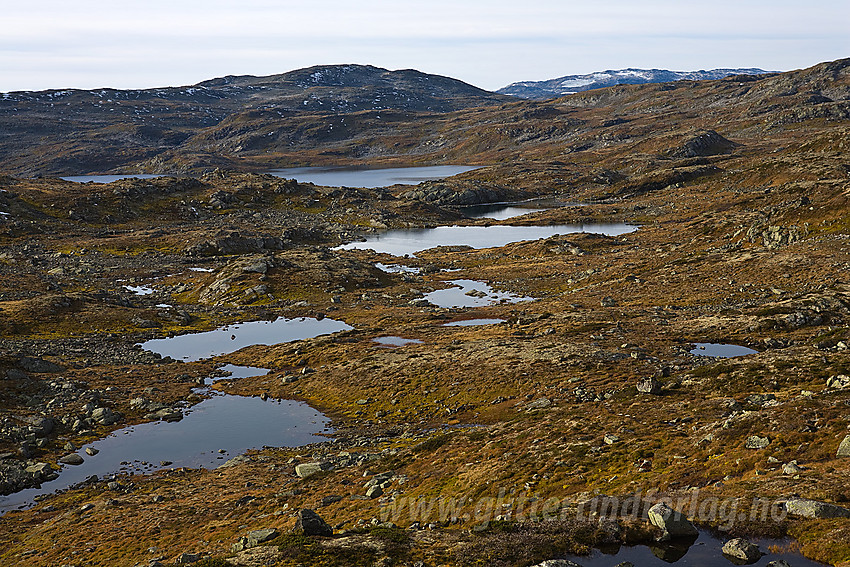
(88, 45)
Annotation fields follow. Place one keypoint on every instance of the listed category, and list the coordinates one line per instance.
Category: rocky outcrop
(16, 475)
(775, 236)
(707, 143)
(815, 509)
(442, 194)
(228, 243)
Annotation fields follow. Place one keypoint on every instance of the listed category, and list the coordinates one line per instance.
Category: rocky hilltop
(579, 404)
(568, 84)
(71, 131)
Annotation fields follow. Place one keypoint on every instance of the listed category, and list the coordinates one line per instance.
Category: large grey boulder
(308, 469)
(310, 523)
(672, 522)
(844, 448)
(815, 509)
(743, 550)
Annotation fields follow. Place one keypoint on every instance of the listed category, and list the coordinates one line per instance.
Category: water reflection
(195, 346)
(410, 241)
(471, 293)
(703, 551)
(370, 178)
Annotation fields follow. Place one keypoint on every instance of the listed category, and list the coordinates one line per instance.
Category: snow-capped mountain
(574, 83)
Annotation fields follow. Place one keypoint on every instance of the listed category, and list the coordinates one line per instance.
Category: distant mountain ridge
(569, 84)
(75, 131)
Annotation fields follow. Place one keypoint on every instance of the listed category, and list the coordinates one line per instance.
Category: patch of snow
(574, 83)
(139, 289)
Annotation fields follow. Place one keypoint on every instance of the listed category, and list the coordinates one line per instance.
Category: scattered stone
(333, 499)
(756, 442)
(541, 403)
(557, 563)
(91, 451)
(608, 301)
(310, 523)
(374, 492)
(741, 549)
(815, 509)
(186, 558)
(844, 448)
(792, 468)
(71, 459)
(779, 563)
(839, 382)
(672, 522)
(610, 439)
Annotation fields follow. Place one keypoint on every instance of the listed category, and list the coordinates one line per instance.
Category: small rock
(541, 403)
(844, 448)
(792, 468)
(779, 563)
(741, 549)
(91, 451)
(186, 558)
(71, 459)
(374, 492)
(756, 442)
(649, 386)
(557, 563)
(610, 439)
(839, 382)
(310, 523)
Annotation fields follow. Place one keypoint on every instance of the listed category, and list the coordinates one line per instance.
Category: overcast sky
(489, 43)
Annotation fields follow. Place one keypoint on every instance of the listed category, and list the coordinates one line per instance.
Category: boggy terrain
(499, 444)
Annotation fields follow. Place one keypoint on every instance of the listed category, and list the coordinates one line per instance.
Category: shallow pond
(704, 552)
(108, 178)
(396, 341)
(195, 346)
(471, 293)
(719, 350)
(370, 178)
(410, 241)
(210, 433)
(473, 322)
